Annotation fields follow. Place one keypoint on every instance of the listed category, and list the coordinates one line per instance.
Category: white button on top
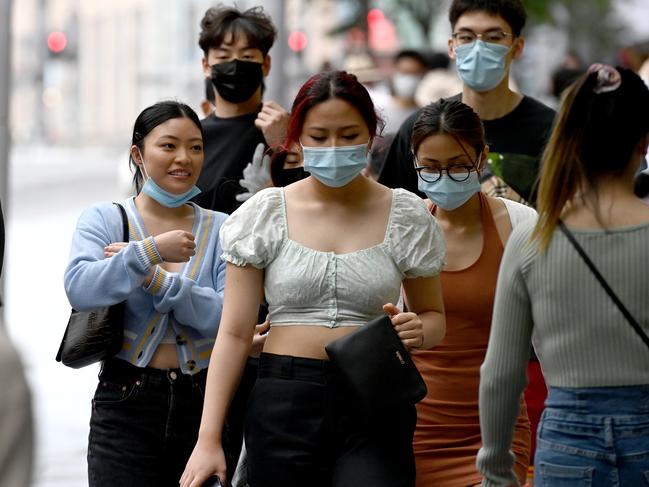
(173, 375)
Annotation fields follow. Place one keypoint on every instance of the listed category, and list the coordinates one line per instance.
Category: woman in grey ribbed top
(596, 423)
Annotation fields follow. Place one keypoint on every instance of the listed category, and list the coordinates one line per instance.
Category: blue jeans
(595, 436)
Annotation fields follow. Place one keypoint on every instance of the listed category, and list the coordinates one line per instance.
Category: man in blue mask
(486, 39)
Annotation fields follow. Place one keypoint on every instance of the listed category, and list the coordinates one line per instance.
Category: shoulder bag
(92, 336)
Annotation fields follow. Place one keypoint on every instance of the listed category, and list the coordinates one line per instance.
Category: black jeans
(305, 428)
(144, 425)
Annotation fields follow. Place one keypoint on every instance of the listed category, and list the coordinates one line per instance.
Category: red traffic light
(374, 16)
(297, 41)
(56, 42)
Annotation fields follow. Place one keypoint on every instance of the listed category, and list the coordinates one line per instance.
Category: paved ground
(49, 187)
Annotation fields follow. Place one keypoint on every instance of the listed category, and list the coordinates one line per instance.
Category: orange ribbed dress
(447, 437)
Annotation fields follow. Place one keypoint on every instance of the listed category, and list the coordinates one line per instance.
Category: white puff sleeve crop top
(307, 286)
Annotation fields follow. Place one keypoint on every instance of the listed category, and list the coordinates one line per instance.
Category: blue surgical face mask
(335, 166)
(165, 198)
(481, 65)
(449, 194)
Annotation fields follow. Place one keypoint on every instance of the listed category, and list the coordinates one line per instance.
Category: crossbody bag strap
(629, 317)
(125, 232)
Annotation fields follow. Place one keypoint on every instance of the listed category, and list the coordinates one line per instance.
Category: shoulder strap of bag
(125, 236)
(125, 232)
(629, 317)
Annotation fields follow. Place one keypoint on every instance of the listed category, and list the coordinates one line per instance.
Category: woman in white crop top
(330, 252)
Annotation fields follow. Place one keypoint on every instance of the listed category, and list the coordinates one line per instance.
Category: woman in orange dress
(450, 151)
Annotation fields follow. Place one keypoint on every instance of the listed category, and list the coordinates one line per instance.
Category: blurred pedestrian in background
(439, 81)
(562, 78)
(16, 424)
(332, 252)
(595, 426)
(408, 69)
(147, 406)
(450, 151)
(235, 46)
(565, 74)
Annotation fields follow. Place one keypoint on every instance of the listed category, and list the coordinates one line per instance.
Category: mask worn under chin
(165, 198)
(481, 65)
(236, 81)
(449, 194)
(335, 166)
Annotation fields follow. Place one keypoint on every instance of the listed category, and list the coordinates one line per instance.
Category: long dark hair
(602, 118)
(149, 119)
(449, 117)
(325, 86)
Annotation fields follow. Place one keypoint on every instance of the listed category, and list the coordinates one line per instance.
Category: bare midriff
(303, 340)
(165, 357)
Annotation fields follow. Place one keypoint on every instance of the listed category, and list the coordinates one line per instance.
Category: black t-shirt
(524, 130)
(229, 144)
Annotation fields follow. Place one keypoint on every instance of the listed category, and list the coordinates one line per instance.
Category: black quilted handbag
(95, 335)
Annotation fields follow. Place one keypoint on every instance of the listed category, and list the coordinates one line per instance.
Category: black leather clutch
(377, 366)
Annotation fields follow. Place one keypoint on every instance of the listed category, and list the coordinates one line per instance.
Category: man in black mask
(235, 45)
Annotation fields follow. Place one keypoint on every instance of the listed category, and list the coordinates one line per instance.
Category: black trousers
(144, 425)
(305, 428)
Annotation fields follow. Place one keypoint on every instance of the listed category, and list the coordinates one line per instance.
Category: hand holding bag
(377, 366)
(92, 336)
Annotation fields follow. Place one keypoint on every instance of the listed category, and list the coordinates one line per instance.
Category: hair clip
(608, 78)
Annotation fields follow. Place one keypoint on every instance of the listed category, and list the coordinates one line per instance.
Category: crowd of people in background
(505, 242)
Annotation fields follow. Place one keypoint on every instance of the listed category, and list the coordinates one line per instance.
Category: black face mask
(284, 177)
(236, 81)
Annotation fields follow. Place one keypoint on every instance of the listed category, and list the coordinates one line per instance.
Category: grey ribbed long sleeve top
(581, 338)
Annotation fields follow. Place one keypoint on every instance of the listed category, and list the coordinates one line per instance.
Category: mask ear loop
(142, 160)
(479, 160)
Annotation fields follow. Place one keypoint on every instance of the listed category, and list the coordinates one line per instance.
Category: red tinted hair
(325, 86)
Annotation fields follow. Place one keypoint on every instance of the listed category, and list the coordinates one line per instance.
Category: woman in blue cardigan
(147, 407)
